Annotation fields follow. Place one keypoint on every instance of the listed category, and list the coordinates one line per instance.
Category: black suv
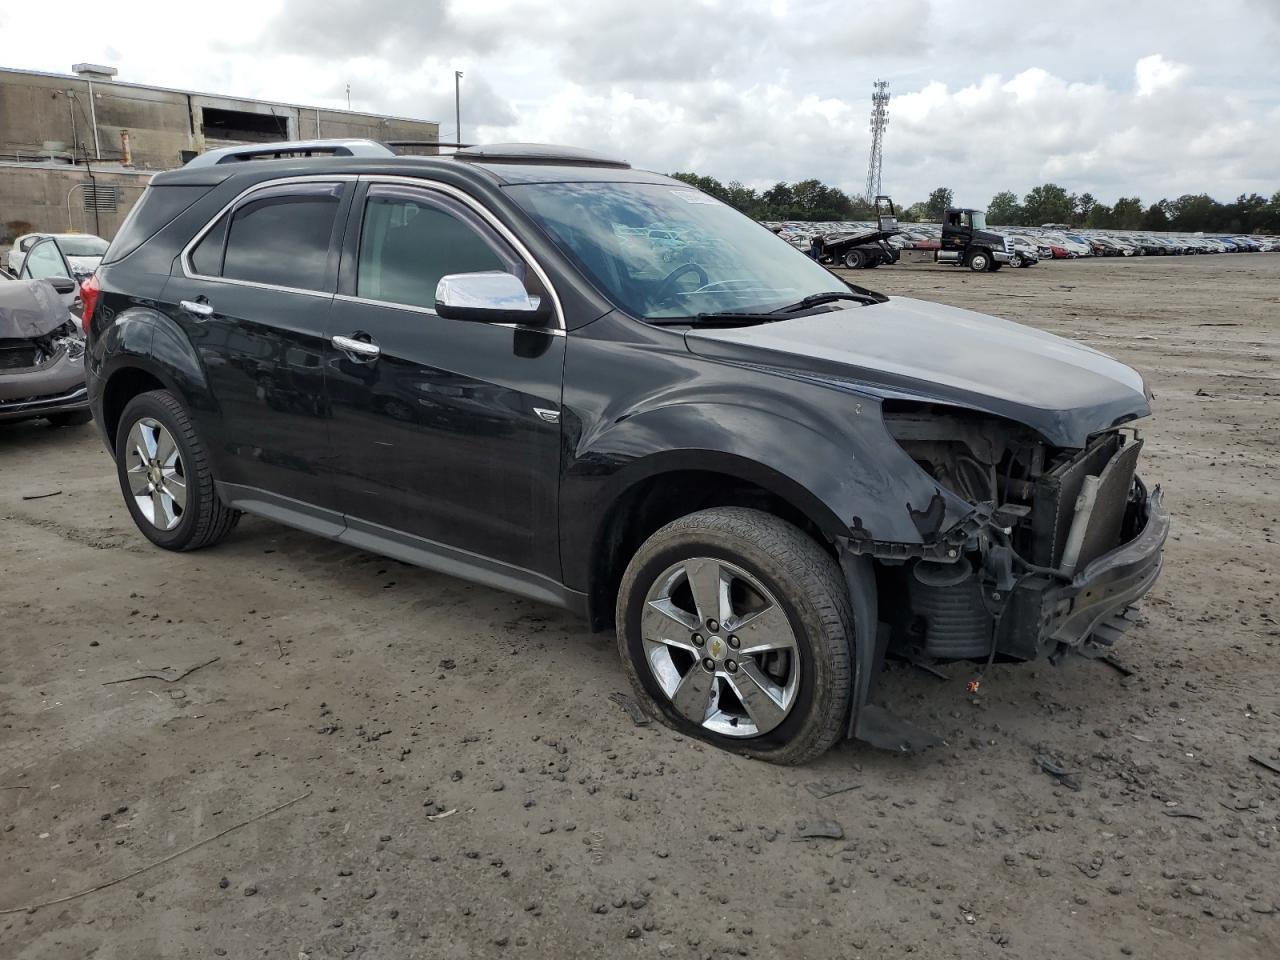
(545, 371)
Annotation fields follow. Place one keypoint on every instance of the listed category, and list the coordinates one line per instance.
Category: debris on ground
(1064, 776)
(161, 676)
(634, 710)
(819, 830)
(829, 788)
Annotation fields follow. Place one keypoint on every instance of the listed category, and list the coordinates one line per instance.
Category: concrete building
(76, 151)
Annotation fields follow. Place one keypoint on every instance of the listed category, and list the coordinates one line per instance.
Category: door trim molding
(414, 550)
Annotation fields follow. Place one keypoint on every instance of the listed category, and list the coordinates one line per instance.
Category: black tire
(855, 259)
(1016, 260)
(72, 418)
(809, 587)
(979, 261)
(205, 519)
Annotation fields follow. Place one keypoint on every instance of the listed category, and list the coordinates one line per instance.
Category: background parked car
(81, 251)
(44, 260)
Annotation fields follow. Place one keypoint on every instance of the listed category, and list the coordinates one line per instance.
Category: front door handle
(197, 308)
(360, 349)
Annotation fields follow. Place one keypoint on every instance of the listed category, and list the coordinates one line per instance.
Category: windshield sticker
(693, 196)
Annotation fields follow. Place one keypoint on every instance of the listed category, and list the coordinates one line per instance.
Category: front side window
(279, 236)
(44, 262)
(409, 239)
(663, 250)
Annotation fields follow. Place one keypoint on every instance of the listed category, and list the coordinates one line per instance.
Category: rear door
(451, 433)
(253, 293)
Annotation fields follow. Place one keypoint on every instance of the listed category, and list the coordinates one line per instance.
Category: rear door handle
(197, 308)
(360, 349)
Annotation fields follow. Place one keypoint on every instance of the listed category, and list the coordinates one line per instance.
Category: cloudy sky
(1154, 97)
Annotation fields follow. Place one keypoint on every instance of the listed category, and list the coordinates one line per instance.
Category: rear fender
(144, 338)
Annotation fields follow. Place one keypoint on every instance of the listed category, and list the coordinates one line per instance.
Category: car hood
(908, 348)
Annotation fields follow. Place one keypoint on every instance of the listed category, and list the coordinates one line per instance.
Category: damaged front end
(41, 353)
(1060, 544)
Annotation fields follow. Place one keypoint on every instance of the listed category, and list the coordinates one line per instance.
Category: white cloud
(757, 92)
(1155, 73)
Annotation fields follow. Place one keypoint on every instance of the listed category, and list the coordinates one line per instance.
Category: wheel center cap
(715, 647)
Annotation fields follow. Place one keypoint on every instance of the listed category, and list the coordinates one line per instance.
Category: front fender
(841, 469)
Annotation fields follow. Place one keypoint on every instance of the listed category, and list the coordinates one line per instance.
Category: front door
(253, 296)
(449, 437)
(45, 261)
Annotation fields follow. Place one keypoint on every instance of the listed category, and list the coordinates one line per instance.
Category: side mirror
(64, 284)
(489, 297)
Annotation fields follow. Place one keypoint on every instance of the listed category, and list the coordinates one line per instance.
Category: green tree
(1128, 213)
(1100, 218)
(1155, 218)
(1048, 203)
(938, 202)
(1084, 204)
(1004, 210)
(916, 213)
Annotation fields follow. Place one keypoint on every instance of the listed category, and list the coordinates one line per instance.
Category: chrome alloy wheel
(720, 647)
(157, 479)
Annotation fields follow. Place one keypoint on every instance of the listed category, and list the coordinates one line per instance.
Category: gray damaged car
(41, 356)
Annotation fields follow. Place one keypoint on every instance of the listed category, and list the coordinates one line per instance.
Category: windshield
(660, 250)
(978, 219)
(83, 246)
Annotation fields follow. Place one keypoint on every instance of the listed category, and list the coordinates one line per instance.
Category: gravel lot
(384, 695)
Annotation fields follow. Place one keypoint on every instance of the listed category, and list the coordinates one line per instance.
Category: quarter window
(409, 240)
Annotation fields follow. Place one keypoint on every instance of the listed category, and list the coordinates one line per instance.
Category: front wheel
(1016, 260)
(735, 627)
(165, 477)
(979, 261)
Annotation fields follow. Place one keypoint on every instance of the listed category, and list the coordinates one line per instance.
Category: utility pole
(348, 96)
(879, 120)
(457, 102)
(90, 72)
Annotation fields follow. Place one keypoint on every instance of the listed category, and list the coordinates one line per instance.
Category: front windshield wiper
(830, 296)
(723, 318)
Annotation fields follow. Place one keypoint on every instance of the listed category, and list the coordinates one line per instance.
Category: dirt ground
(384, 696)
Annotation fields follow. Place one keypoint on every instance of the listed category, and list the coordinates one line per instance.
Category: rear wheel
(855, 259)
(735, 627)
(165, 477)
(979, 261)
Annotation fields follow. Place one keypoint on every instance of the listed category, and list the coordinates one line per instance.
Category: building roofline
(222, 96)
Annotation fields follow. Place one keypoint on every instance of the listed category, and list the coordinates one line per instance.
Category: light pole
(457, 102)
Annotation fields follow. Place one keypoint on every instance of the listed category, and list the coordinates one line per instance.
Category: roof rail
(537, 153)
(292, 149)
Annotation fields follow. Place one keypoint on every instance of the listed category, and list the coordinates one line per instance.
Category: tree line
(1047, 203)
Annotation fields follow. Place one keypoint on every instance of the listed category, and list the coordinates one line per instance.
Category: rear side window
(279, 236)
(155, 209)
(409, 239)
